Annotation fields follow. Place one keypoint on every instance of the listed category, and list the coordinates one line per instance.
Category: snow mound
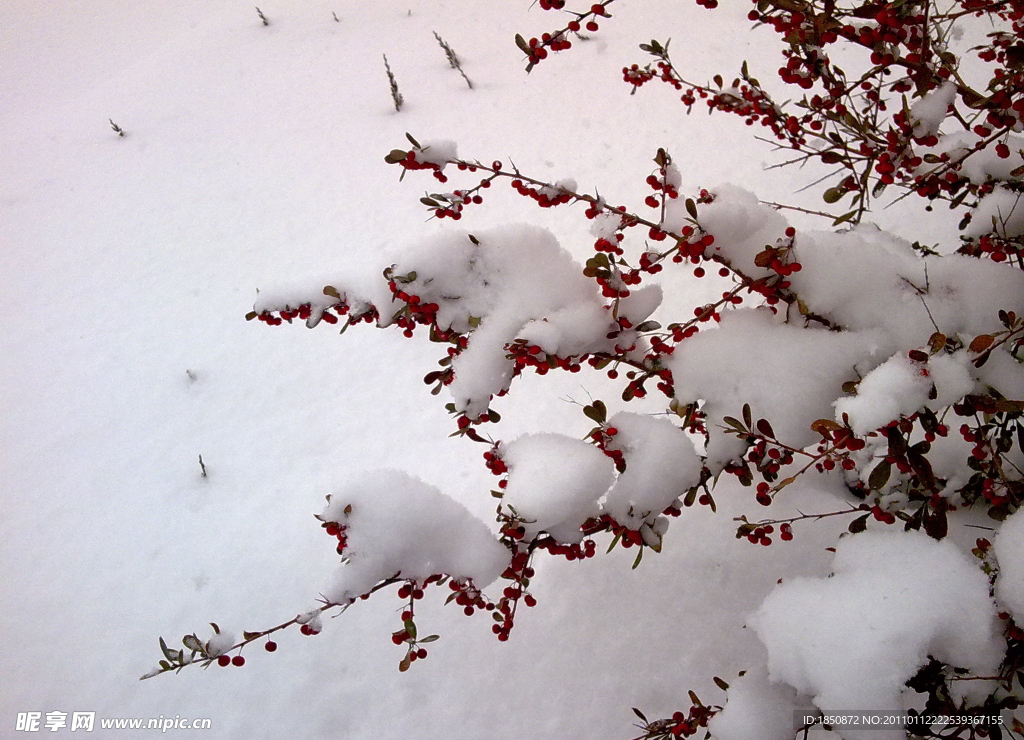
(397, 525)
(928, 113)
(555, 483)
(756, 710)
(661, 464)
(865, 278)
(501, 284)
(1009, 552)
(852, 640)
(897, 387)
(789, 375)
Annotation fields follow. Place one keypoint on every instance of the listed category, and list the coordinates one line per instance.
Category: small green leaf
(734, 423)
(430, 638)
(848, 216)
(833, 195)
(412, 140)
(879, 475)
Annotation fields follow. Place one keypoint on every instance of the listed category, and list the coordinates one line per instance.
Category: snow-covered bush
(845, 357)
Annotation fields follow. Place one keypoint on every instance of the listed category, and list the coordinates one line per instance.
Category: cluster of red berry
(410, 162)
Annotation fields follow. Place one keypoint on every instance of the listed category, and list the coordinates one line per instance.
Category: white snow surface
(1009, 551)
(1004, 374)
(399, 526)
(928, 113)
(756, 709)
(852, 640)
(866, 278)
(898, 387)
(741, 225)
(661, 464)
(252, 169)
(555, 483)
(1001, 211)
(789, 375)
(515, 282)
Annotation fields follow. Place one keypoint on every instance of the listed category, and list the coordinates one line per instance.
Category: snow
(555, 483)
(866, 278)
(742, 227)
(1009, 551)
(898, 387)
(220, 642)
(252, 171)
(512, 282)
(1003, 373)
(952, 378)
(641, 303)
(979, 166)
(852, 640)
(398, 526)
(1000, 211)
(661, 464)
(787, 374)
(438, 151)
(928, 113)
(756, 708)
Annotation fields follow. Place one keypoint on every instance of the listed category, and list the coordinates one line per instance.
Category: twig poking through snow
(395, 95)
(453, 58)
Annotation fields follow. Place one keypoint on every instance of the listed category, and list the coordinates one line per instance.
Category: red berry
(238, 660)
(223, 660)
(271, 646)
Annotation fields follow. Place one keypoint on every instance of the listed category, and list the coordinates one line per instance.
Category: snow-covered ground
(253, 159)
